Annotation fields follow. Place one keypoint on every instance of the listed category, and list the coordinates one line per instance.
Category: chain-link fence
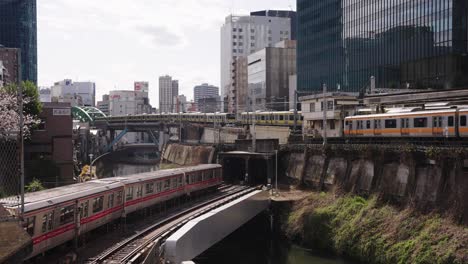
(11, 124)
(10, 184)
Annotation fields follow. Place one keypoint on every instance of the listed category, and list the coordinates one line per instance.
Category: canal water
(254, 244)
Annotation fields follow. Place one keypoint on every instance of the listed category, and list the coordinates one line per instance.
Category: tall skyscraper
(403, 44)
(243, 35)
(168, 91)
(18, 29)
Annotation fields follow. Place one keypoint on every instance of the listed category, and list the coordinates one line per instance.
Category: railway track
(132, 249)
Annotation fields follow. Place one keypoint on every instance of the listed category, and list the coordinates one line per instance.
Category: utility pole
(295, 111)
(325, 109)
(21, 142)
(254, 120)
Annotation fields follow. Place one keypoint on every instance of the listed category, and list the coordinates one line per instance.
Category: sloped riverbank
(371, 231)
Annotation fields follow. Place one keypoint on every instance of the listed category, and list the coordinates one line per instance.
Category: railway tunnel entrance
(247, 167)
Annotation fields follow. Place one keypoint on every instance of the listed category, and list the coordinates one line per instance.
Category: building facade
(241, 36)
(204, 91)
(281, 13)
(10, 58)
(18, 29)
(45, 95)
(104, 105)
(168, 91)
(268, 77)
(49, 153)
(403, 44)
(66, 90)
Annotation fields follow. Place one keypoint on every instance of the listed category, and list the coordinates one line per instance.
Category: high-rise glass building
(18, 29)
(413, 44)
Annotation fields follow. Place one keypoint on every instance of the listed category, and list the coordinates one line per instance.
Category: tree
(34, 186)
(10, 118)
(33, 105)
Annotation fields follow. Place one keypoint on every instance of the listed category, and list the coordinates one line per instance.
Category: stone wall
(428, 179)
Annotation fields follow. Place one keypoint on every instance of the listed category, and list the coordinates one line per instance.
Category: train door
(377, 127)
(404, 126)
(437, 125)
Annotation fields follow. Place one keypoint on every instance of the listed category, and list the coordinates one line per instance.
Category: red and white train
(58, 215)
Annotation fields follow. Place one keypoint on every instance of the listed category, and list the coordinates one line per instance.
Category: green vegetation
(371, 232)
(34, 186)
(168, 166)
(33, 105)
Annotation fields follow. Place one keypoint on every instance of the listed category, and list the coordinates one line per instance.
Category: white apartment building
(45, 95)
(122, 103)
(244, 35)
(64, 90)
(168, 90)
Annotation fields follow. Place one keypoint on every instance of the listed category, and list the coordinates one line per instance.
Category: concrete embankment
(187, 155)
(429, 179)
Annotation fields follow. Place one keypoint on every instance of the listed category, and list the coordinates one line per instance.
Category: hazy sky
(115, 43)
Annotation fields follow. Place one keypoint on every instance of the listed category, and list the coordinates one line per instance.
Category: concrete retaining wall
(188, 155)
(412, 177)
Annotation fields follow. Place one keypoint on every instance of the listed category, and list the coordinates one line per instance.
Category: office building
(18, 29)
(403, 44)
(268, 77)
(45, 95)
(66, 90)
(168, 90)
(104, 104)
(10, 58)
(142, 102)
(241, 36)
(204, 91)
(281, 13)
(49, 153)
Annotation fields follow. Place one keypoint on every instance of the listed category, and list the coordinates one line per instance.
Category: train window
(158, 187)
(180, 181)
(119, 197)
(129, 193)
(281, 118)
(462, 120)
(149, 188)
(67, 214)
(139, 190)
(420, 122)
(291, 117)
(98, 204)
(263, 118)
(47, 222)
(29, 224)
(451, 120)
(110, 201)
(390, 123)
(187, 179)
(84, 209)
(174, 183)
(167, 184)
(368, 125)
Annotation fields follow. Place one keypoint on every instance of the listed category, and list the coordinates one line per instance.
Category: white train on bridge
(56, 216)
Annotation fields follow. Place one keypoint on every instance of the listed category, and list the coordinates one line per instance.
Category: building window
(234, 29)
(240, 29)
(252, 44)
(332, 124)
(234, 43)
(252, 30)
(252, 37)
(234, 50)
(241, 37)
(312, 107)
(240, 44)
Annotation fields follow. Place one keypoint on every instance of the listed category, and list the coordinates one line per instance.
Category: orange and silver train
(55, 216)
(426, 123)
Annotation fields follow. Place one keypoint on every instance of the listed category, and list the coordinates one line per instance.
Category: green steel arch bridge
(87, 114)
